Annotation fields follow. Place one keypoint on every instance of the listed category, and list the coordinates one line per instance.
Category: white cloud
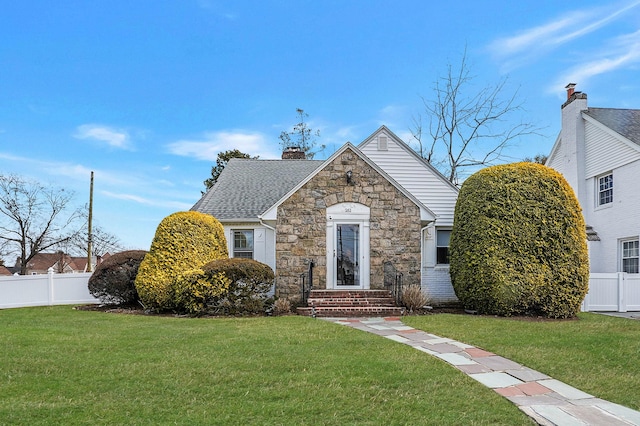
(520, 49)
(116, 138)
(148, 202)
(212, 143)
(622, 52)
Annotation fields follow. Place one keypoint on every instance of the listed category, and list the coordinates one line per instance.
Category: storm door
(348, 246)
(347, 254)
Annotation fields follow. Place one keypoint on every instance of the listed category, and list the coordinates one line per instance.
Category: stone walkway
(546, 400)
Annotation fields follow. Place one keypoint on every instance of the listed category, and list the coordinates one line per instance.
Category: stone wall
(301, 225)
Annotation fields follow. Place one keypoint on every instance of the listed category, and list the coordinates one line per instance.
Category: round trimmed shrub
(183, 241)
(250, 282)
(113, 281)
(518, 244)
(195, 291)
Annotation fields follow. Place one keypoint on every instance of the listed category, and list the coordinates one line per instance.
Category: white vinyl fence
(45, 290)
(613, 292)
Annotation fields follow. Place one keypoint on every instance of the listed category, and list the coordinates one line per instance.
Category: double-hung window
(630, 251)
(605, 189)
(442, 247)
(243, 243)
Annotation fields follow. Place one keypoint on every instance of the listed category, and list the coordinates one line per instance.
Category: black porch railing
(393, 282)
(306, 282)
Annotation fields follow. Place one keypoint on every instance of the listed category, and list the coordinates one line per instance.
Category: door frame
(348, 213)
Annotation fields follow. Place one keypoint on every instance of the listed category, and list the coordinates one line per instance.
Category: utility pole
(90, 232)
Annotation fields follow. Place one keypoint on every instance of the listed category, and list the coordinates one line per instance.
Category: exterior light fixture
(349, 175)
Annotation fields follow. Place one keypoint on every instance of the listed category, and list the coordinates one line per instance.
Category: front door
(347, 251)
(348, 246)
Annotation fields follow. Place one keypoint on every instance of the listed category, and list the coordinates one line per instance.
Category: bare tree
(305, 138)
(34, 218)
(467, 128)
(102, 242)
(539, 158)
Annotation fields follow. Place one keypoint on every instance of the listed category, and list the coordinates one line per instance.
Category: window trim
(635, 256)
(600, 192)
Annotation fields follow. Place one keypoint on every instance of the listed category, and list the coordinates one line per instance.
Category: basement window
(442, 247)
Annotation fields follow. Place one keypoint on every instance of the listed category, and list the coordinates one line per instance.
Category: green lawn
(62, 366)
(595, 353)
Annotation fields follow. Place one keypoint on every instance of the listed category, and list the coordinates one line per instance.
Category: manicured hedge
(249, 285)
(113, 281)
(518, 244)
(183, 241)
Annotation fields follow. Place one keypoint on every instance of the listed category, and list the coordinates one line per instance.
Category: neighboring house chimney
(572, 136)
(570, 89)
(293, 153)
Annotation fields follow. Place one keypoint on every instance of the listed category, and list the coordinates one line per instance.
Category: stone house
(352, 215)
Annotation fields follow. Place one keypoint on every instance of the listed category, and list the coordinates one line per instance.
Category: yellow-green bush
(194, 291)
(249, 284)
(518, 244)
(183, 241)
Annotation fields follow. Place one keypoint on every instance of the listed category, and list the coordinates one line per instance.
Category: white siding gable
(400, 162)
(604, 150)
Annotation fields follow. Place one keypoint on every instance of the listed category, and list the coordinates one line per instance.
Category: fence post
(585, 302)
(622, 304)
(50, 282)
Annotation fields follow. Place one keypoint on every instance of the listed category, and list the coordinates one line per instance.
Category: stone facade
(302, 225)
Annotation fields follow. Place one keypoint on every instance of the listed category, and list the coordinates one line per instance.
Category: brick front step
(355, 302)
(350, 303)
(324, 294)
(344, 311)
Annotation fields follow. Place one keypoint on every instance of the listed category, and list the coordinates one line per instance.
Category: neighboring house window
(605, 189)
(243, 243)
(630, 256)
(442, 247)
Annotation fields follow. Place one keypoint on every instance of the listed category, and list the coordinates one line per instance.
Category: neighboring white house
(363, 207)
(598, 152)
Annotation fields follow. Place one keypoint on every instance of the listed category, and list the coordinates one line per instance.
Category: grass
(595, 353)
(62, 366)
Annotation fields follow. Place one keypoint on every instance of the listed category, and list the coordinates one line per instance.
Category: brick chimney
(572, 95)
(293, 153)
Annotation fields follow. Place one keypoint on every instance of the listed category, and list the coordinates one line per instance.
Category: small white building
(598, 152)
(363, 208)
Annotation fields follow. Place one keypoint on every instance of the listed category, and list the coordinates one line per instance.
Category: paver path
(546, 400)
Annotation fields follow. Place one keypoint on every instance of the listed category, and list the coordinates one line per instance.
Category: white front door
(348, 246)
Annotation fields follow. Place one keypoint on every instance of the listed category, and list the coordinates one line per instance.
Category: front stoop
(350, 303)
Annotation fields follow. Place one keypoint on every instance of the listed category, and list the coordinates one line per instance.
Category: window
(630, 256)
(243, 243)
(442, 247)
(605, 189)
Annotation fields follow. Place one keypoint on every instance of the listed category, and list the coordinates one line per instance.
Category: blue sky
(146, 93)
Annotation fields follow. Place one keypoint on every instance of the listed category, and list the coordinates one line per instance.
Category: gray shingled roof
(623, 121)
(246, 188)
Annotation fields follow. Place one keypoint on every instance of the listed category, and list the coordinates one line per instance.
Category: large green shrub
(518, 244)
(196, 291)
(183, 241)
(249, 285)
(113, 281)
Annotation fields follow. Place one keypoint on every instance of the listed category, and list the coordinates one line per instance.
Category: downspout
(423, 248)
(274, 254)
